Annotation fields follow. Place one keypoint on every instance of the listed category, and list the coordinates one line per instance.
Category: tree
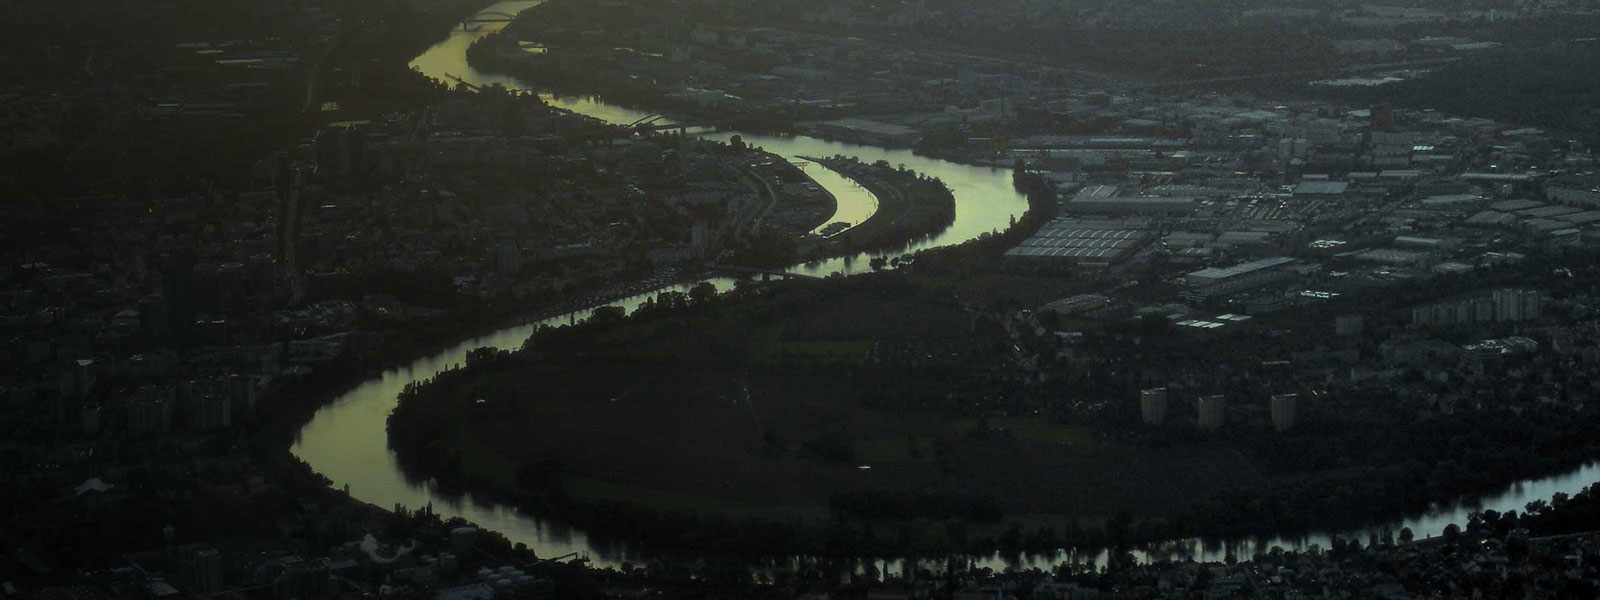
(1406, 535)
(1536, 508)
(606, 316)
(702, 294)
(1049, 319)
(1154, 323)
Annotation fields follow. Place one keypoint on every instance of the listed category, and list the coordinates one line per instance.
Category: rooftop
(1215, 273)
(1320, 188)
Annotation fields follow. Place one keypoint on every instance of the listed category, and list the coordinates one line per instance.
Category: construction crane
(645, 121)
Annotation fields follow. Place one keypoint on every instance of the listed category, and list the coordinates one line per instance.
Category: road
(750, 218)
(314, 77)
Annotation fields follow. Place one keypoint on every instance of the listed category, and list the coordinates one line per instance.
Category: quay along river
(347, 442)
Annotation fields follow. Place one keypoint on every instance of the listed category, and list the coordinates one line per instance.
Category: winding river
(346, 440)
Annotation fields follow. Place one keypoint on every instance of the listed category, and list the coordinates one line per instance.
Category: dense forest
(1553, 88)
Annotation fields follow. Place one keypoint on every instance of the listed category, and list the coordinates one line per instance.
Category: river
(346, 440)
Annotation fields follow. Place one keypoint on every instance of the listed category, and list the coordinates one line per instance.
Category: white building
(1216, 275)
(1213, 411)
(1517, 305)
(1214, 281)
(1285, 408)
(1579, 193)
(1153, 405)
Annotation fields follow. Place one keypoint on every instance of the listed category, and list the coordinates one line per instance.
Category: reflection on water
(346, 440)
(985, 199)
(855, 203)
(449, 57)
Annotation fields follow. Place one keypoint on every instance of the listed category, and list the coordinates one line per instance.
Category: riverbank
(339, 438)
(294, 404)
(499, 52)
(822, 411)
(793, 202)
(635, 363)
(999, 536)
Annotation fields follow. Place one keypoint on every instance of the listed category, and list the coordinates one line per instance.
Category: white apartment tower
(1153, 405)
(1285, 408)
(1213, 411)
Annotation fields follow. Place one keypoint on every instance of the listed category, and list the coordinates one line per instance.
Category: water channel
(346, 440)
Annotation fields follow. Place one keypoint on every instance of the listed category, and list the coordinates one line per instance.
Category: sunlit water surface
(346, 440)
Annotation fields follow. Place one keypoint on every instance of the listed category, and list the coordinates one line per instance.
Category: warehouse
(1547, 212)
(1221, 281)
(1320, 189)
(1394, 257)
(1215, 275)
(1122, 205)
(863, 130)
(1579, 191)
(1083, 241)
(1078, 304)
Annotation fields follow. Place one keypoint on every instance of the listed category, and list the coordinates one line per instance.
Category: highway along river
(346, 440)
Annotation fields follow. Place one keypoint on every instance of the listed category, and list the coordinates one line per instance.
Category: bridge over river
(766, 273)
(477, 21)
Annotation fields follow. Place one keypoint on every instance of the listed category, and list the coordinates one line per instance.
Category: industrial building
(1579, 191)
(1427, 243)
(1125, 205)
(1109, 200)
(1078, 304)
(1220, 281)
(1090, 242)
(1534, 216)
(1393, 257)
(875, 132)
(1313, 189)
(1240, 272)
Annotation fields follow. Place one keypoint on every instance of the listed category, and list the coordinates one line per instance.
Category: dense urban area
(931, 299)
